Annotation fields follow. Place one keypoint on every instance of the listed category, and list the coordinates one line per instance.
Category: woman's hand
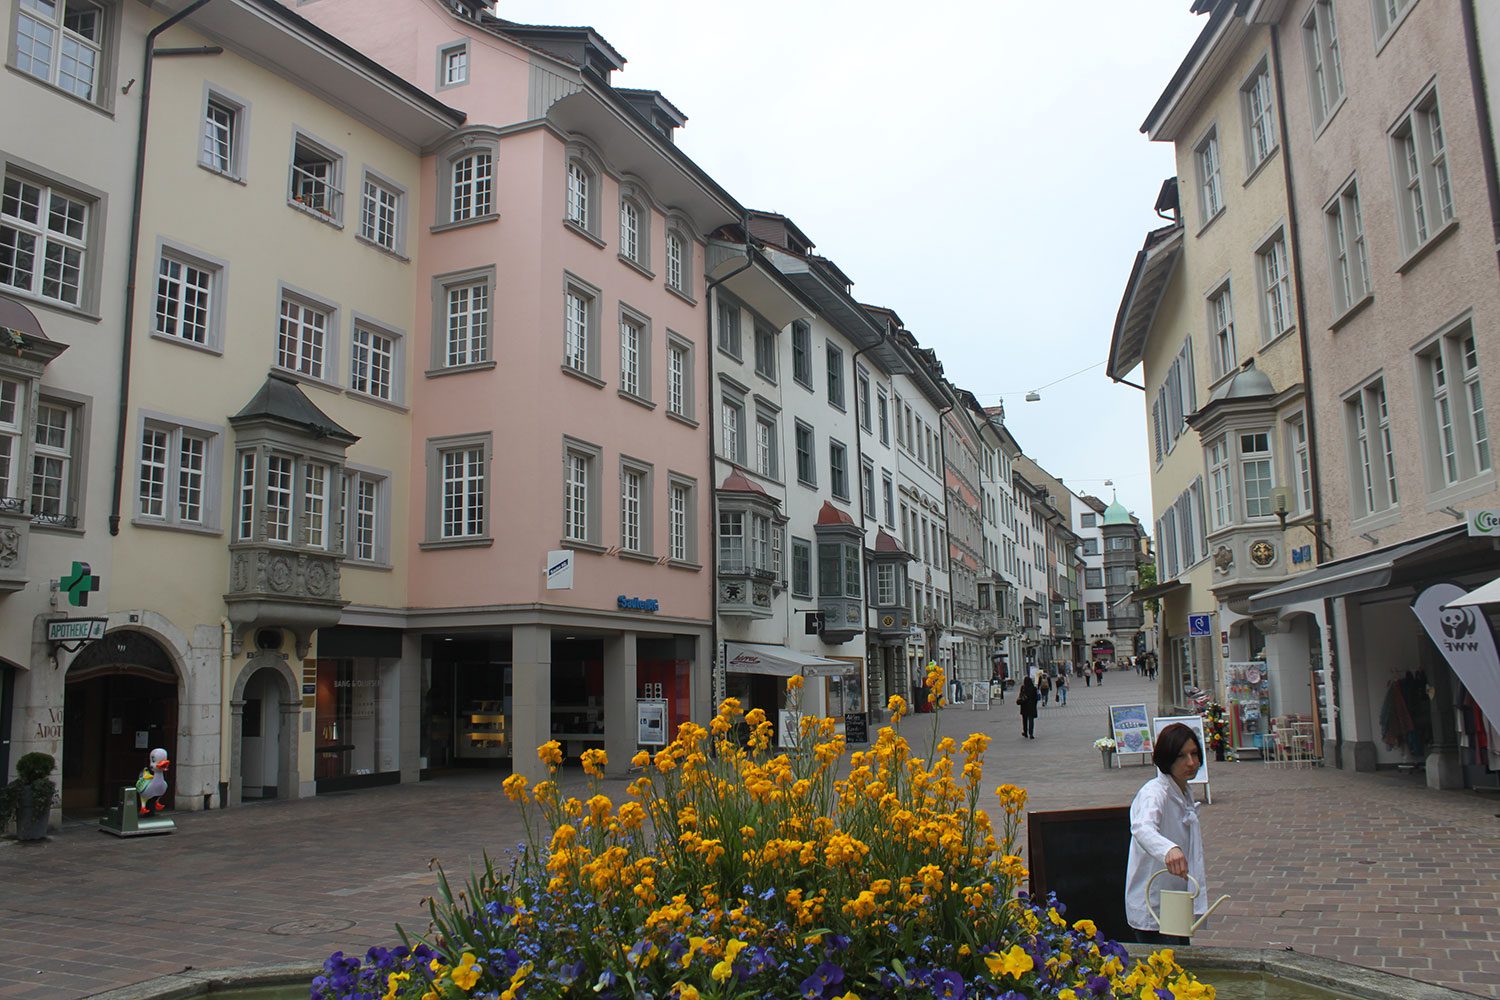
(1177, 862)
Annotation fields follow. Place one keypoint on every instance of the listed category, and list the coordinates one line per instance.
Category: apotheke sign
(74, 629)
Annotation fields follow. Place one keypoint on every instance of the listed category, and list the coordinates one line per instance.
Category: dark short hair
(1169, 743)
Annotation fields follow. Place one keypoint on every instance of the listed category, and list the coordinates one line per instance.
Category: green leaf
(899, 970)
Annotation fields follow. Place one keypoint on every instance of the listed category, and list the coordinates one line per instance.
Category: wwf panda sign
(1462, 634)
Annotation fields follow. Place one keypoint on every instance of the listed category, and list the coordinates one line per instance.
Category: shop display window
(355, 721)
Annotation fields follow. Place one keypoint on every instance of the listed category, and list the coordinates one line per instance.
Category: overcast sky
(976, 166)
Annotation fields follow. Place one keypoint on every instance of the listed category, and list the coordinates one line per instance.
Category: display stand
(1195, 723)
(979, 697)
(1248, 686)
(1130, 727)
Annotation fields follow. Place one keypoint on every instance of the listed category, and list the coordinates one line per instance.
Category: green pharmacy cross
(78, 584)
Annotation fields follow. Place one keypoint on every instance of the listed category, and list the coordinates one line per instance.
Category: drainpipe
(1294, 236)
(859, 459)
(133, 259)
(1483, 112)
(226, 660)
(947, 522)
(713, 466)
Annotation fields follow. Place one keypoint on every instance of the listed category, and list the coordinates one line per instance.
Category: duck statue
(151, 786)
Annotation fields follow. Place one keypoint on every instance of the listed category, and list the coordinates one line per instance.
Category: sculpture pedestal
(125, 819)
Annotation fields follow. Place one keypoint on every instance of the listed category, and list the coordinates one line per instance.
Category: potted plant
(27, 801)
(1216, 728)
(1106, 748)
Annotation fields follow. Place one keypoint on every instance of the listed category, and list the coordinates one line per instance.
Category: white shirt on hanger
(1162, 817)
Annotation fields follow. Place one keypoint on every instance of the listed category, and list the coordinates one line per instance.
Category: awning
(1488, 594)
(1149, 592)
(1370, 571)
(779, 661)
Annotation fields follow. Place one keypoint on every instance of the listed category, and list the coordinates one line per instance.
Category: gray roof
(281, 400)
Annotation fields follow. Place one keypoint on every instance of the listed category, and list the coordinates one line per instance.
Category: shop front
(357, 713)
(756, 674)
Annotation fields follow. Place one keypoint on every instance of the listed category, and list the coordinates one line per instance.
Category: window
(1260, 115)
(835, 375)
(635, 508)
(577, 491)
(316, 513)
(317, 178)
(174, 483)
(1388, 14)
(867, 489)
(580, 195)
(364, 498)
(1456, 438)
(1095, 611)
(379, 214)
(679, 379)
(681, 521)
(281, 486)
(302, 340)
(472, 187)
(1296, 432)
(1091, 546)
(44, 236)
(862, 398)
(888, 499)
(838, 470)
(1346, 248)
(223, 135)
(1210, 190)
(801, 567)
(372, 362)
(53, 468)
(1093, 579)
(62, 43)
(463, 491)
(1088, 520)
(632, 341)
(765, 352)
(1275, 286)
(1424, 195)
(467, 323)
(882, 407)
(807, 469)
(632, 237)
(1255, 473)
(838, 569)
(1372, 460)
(186, 298)
(729, 329)
(1220, 483)
(765, 445)
(802, 353)
(885, 585)
(580, 328)
(677, 262)
(1221, 332)
(1325, 69)
(453, 65)
(245, 497)
(732, 429)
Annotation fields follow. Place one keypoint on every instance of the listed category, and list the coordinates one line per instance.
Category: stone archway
(285, 685)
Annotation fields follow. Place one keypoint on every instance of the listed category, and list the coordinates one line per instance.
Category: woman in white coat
(1164, 833)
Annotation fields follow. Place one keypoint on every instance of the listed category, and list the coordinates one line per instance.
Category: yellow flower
(1013, 963)
(1086, 928)
(550, 753)
(393, 984)
(466, 973)
(686, 991)
(563, 836)
(515, 787)
(641, 759)
(897, 707)
(594, 760)
(794, 683)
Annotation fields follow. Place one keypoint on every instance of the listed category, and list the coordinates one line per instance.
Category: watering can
(1176, 916)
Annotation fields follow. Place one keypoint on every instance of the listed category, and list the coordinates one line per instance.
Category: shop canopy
(779, 661)
(1146, 593)
(1488, 594)
(1355, 575)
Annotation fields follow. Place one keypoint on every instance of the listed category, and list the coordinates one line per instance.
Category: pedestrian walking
(1164, 833)
(1044, 687)
(1062, 689)
(1088, 675)
(1099, 672)
(1027, 699)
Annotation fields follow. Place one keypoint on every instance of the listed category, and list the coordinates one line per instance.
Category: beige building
(252, 484)
(1393, 169)
(1211, 311)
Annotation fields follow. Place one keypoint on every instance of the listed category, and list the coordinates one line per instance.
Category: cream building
(1212, 312)
(266, 424)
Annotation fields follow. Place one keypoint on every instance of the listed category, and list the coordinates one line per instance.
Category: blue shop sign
(637, 603)
(1302, 554)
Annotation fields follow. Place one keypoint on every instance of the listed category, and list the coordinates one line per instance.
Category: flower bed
(736, 871)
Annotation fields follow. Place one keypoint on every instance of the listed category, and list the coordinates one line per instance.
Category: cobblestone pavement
(1371, 869)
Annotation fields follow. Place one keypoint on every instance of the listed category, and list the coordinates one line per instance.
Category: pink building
(559, 568)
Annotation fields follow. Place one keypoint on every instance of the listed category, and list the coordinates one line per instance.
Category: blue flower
(948, 985)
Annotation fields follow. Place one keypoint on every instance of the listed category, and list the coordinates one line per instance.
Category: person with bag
(1062, 689)
(1027, 698)
(1044, 687)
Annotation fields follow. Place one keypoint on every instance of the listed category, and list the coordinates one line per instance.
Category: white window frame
(802, 369)
(1210, 176)
(1455, 437)
(1220, 483)
(678, 254)
(767, 452)
(883, 405)
(67, 50)
(178, 478)
(806, 456)
(732, 428)
(635, 228)
(315, 175)
(1299, 456)
(1348, 252)
(838, 469)
(1325, 64)
(1257, 465)
(1273, 267)
(730, 321)
(1258, 100)
(306, 335)
(1424, 190)
(765, 351)
(59, 507)
(369, 361)
(581, 205)
(1221, 341)
(580, 329)
(72, 245)
(833, 357)
(463, 320)
(682, 520)
(681, 402)
(189, 298)
(637, 488)
(382, 213)
(358, 484)
(453, 65)
(225, 133)
(1371, 454)
(471, 185)
(1388, 15)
